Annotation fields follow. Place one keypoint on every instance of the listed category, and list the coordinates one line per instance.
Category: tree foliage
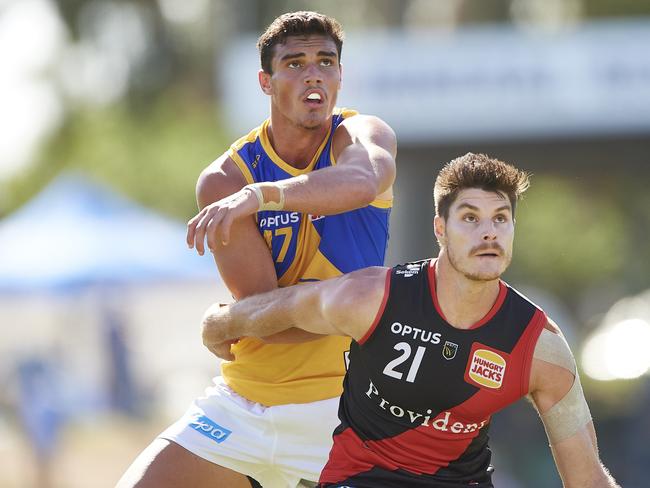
(154, 157)
(568, 236)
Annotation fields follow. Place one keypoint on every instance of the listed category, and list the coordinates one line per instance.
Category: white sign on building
(477, 82)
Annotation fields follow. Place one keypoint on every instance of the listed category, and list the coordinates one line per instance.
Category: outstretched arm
(364, 148)
(556, 392)
(347, 305)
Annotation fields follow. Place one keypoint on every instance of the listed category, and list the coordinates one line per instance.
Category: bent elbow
(370, 193)
(365, 188)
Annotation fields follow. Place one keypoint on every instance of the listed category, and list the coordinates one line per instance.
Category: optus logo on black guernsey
(406, 331)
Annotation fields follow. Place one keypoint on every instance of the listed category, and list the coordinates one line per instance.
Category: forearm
(265, 314)
(578, 462)
(599, 479)
(364, 171)
(255, 316)
(324, 192)
(343, 306)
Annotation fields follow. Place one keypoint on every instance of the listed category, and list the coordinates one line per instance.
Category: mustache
(487, 247)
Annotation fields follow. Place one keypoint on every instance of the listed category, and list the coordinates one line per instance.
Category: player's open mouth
(314, 98)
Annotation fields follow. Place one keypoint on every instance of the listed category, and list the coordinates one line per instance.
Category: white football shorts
(278, 446)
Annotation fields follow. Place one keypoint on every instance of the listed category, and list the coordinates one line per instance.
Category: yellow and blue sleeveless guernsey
(304, 248)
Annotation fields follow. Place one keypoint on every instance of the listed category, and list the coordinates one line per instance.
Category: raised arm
(364, 148)
(347, 305)
(246, 268)
(556, 392)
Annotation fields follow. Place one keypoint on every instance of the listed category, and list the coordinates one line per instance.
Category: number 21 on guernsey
(406, 350)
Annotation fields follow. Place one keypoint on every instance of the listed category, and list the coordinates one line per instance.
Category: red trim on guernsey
(503, 291)
(356, 458)
(380, 312)
(432, 287)
(533, 330)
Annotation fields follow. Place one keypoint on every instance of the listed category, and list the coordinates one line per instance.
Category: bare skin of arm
(346, 305)
(364, 148)
(247, 267)
(576, 456)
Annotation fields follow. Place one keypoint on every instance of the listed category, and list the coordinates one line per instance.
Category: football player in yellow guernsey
(304, 197)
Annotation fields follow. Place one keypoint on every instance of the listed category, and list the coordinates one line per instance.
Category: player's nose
(313, 74)
(488, 231)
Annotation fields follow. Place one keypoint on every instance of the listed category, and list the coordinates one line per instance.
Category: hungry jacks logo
(486, 367)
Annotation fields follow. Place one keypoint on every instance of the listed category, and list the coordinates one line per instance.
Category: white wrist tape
(263, 205)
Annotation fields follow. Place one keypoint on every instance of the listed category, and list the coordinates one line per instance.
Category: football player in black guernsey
(439, 346)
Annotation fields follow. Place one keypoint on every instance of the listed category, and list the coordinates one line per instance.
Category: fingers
(243, 203)
(201, 228)
(191, 229)
(206, 225)
(215, 221)
(218, 228)
(196, 230)
(226, 224)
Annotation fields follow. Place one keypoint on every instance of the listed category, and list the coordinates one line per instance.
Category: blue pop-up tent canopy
(73, 235)
(77, 233)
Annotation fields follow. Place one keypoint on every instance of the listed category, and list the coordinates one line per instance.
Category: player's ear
(265, 81)
(439, 229)
(340, 75)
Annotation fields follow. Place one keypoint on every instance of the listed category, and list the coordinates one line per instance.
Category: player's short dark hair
(297, 24)
(477, 171)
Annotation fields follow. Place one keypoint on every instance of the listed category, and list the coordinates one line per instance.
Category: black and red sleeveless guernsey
(419, 393)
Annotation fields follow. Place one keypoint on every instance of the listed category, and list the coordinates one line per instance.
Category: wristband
(264, 205)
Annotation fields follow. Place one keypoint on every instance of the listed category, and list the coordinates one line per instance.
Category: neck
(295, 145)
(463, 302)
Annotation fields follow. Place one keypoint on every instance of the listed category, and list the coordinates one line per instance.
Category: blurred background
(110, 109)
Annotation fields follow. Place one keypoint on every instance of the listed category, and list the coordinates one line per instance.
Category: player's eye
(294, 64)
(500, 219)
(470, 218)
(326, 62)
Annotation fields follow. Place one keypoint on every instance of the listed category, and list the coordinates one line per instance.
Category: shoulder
(364, 127)
(219, 179)
(249, 138)
(554, 366)
(365, 130)
(551, 346)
